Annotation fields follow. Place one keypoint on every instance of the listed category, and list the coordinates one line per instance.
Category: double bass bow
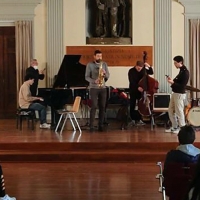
(150, 86)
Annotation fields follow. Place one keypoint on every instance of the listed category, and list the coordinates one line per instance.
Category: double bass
(150, 86)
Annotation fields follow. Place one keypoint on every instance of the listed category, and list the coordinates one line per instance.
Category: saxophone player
(97, 74)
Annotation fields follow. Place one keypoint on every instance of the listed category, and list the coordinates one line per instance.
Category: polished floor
(8, 132)
(94, 179)
(81, 181)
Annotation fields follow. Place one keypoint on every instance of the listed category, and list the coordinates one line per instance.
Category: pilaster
(54, 38)
(163, 42)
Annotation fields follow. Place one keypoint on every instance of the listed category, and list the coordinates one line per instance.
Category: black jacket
(177, 156)
(180, 81)
(134, 77)
(37, 76)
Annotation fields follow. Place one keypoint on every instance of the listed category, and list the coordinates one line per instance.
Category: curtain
(23, 31)
(195, 55)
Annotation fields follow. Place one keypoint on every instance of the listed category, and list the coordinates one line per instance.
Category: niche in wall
(105, 29)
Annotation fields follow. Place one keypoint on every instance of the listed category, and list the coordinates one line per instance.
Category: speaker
(161, 101)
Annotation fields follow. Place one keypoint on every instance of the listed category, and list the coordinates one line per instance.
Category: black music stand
(123, 114)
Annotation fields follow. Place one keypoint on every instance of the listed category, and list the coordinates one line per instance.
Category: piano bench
(25, 113)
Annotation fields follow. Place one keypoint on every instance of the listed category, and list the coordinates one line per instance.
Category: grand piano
(69, 83)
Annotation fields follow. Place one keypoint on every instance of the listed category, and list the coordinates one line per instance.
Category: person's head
(29, 78)
(186, 135)
(139, 65)
(34, 63)
(97, 56)
(178, 61)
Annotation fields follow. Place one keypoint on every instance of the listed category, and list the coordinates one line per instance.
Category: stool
(25, 113)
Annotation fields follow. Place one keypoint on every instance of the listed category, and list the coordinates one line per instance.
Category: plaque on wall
(109, 22)
(125, 56)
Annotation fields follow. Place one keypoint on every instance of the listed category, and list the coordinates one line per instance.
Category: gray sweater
(92, 73)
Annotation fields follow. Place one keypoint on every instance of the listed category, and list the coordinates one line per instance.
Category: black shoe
(100, 128)
(91, 129)
(106, 123)
(140, 123)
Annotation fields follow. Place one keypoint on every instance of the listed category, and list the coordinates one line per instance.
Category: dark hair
(195, 184)
(28, 77)
(186, 135)
(97, 52)
(139, 63)
(178, 59)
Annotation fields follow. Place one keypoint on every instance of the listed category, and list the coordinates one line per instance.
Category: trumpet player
(97, 74)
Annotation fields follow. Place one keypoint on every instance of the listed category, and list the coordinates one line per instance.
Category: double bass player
(135, 74)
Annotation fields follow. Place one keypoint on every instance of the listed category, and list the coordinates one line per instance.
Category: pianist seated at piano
(26, 100)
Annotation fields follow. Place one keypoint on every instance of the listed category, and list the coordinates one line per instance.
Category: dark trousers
(2, 190)
(134, 114)
(98, 98)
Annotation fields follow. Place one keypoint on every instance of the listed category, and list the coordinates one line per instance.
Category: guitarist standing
(135, 74)
(178, 97)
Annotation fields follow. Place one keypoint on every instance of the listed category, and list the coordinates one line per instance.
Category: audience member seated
(3, 195)
(26, 100)
(186, 152)
(179, 161)
(194, 189)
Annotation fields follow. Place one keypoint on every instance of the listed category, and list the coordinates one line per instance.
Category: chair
(88, 104)
(69, 113)
(177, 178)
(25, 113)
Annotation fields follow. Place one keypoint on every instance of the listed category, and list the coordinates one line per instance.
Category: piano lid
(71, 72)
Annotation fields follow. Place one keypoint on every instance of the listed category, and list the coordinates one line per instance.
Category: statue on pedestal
(110, 18)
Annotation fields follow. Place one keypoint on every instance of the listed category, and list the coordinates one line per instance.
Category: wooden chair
(71, 114)
(25, 113)
(177, 178)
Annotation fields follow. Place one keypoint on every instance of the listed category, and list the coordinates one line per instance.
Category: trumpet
(101, 75)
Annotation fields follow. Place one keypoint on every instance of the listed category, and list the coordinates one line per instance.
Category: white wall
(74, 22)
(177, 33)
(143, 24)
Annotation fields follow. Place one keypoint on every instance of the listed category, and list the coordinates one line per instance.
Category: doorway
(8, 86)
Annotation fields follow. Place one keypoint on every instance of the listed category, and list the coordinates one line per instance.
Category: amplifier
(161, 101)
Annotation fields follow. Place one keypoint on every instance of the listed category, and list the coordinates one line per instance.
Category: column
(54, 38)
(163, 43)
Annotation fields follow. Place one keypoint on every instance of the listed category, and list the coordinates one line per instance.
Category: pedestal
(108, 41)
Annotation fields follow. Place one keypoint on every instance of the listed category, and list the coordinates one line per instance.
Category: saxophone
(101, 75)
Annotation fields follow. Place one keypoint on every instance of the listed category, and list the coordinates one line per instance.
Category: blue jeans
(41, 110)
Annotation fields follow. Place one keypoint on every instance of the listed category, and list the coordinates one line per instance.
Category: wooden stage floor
(111, 165)
(113, 145)
(134, 134)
